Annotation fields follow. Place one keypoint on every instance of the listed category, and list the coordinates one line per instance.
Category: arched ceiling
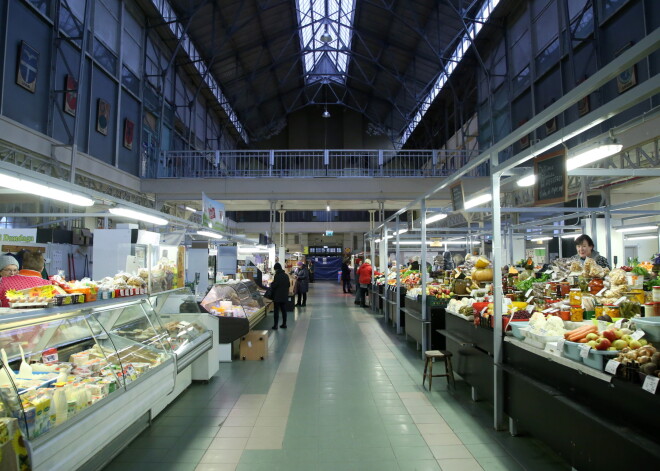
(397, 50)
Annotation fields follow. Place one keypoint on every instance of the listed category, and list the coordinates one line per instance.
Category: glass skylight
(462, 47)
(326, 30)
(169, 16)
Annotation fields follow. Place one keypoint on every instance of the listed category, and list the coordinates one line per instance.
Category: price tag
(50, 356)
(548, 272)
(530, 308)
(560, 344)
(484, 310)
(547, 286)
(600, 293)
(620, 300)
(545, 311)
(530, 299)
(584, 350)
(130, 372)
(638, 334)
(650, 384)
(529, 291)
(602, 325)
(611, 367)
(619, 323)
(543, 332)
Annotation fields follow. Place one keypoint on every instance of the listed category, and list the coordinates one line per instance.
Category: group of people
(14, 276)
(280, 290)
(363, 272)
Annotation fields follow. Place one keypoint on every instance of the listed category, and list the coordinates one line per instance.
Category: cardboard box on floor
(254, 345)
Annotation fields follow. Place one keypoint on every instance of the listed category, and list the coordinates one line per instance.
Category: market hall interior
(338, 391)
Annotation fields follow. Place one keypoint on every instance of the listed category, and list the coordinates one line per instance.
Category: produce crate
(572, 350)
(598, 358)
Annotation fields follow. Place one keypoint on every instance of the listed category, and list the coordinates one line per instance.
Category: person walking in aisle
(346, 276)
(280, 288)
(302, 281)
(364, 275)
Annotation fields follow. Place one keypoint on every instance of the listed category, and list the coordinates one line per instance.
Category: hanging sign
(551, 179)
(457, 196)
(18, 236)
(213, 215)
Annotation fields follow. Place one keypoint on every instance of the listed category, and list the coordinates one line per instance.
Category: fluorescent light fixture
(327, 208)
(212, 235)
(435, 218)
(598, 152)
(129, 213)
(401, 231)
(45, 191)
(478, 200)
(637, 229)
(540, 239)
(428, 242)
(191, 209)
(575, 235)
(377, 241)
(642, 237)
(527, 180)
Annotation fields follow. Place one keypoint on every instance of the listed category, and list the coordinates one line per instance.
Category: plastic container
(651, 326)
(517, 329)
(649, 309)
(571, 350)
(598, 358)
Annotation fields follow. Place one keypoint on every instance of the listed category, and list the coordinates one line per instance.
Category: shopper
(356, 267)
(364, 273)
(346, 276)
(585, 249)
(8, 265)
(28, 277)
(280, 288)
(302, 283)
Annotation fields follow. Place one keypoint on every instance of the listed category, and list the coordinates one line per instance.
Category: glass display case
(180, 316)
(58, 364)
(238, 306)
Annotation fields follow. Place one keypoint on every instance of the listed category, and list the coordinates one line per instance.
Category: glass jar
(598, 310)
(611, 310)
(596, 286)
(565, 288)
(656, 294)
(577, 314)
(575, 297)
(649, 309)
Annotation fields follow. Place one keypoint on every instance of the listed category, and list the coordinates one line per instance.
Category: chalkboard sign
(551, 179)
(457, 200)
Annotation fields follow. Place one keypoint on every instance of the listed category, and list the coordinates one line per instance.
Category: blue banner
(326, 268)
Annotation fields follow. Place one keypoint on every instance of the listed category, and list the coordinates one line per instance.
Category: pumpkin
(483, 274)
(482, 262)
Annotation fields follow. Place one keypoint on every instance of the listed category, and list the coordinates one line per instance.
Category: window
(132, 44)
(130, 80)
(607, 8)
(104, 57)
(106, 23)
(548, 57)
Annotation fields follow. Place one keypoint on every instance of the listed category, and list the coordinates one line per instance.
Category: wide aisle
(337, 392)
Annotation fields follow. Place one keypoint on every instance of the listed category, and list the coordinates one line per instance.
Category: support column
(272, 219)
(381, 211)
(397, 305)
(282, 245)
(424, 272)
(372, 220)
(498, 409)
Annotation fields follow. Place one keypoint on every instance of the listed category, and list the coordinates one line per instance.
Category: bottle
(60, 403)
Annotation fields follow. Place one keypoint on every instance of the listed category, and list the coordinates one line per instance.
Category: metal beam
(614, 172)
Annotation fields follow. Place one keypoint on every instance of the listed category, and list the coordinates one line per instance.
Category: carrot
(582, 334)
(570, 333)
(582, 340)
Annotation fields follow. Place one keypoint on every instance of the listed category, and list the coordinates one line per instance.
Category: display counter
(85, 381)
(187, 329)
(435, 319)
(237, 306)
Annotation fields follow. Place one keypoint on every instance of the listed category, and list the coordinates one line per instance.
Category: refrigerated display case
(81, 380)
(237, 305)
(188, 330)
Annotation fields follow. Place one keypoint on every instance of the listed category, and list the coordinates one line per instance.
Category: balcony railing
(313, 163)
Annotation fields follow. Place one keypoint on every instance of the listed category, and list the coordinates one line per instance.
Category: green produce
(527, 284)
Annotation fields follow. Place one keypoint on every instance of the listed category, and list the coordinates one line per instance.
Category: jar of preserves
(649, 309)
(596, 286)
(565, 287)
(611, 310)
(577, 314)
(575, 297)
(656, 294)
(598, 310)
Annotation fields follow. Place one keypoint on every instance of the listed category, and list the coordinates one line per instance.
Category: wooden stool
(445, 356)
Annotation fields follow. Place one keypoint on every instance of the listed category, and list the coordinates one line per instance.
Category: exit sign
(329, 233)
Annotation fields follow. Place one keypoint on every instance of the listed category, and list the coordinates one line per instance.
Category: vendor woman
(8, 265)
(28, 277)
(585, 249)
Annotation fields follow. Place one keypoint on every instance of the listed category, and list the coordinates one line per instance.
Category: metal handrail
(313, 163)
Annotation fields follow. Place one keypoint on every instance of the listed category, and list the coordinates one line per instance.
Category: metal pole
(397, 313)
(498, 412)
(424, 273)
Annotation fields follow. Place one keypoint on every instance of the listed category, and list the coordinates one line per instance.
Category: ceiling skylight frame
(313, 19)
(462, 47)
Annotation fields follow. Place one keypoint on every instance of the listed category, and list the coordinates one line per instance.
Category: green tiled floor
(357, 404)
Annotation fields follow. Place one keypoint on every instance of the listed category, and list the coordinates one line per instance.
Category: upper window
(326, 30)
